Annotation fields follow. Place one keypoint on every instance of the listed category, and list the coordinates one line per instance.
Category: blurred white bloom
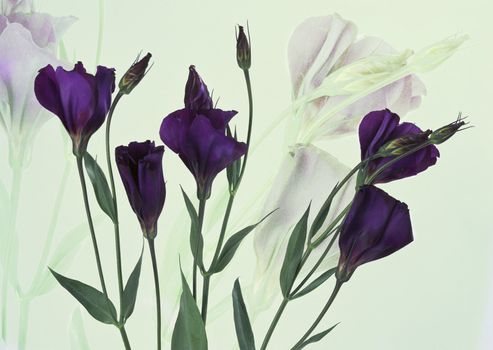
(10, 6)
(338, 79)
(308, 175)
(28, 42)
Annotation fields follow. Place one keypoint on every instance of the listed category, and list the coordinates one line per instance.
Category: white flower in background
(336, 80)
(11, 6)
(28, 42)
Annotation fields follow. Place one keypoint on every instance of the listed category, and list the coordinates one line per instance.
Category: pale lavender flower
(28, 42)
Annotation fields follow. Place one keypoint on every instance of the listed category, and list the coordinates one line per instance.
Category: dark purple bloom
(79, 99)
(196, 93)
(377, 129)
(140, 167)
(197, 134)
(377, 225)
(134, 74)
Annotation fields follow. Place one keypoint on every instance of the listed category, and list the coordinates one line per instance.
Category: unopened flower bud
(403, 144)
(445, 132)
(134, 74)
(243, 50)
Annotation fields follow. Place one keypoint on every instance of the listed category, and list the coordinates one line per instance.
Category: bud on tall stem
(243, 49)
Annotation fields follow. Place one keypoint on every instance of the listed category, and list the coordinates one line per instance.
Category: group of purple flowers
(375, 225)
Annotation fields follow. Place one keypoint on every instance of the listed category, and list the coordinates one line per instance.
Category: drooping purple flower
(197, 134)
(141, 171)
(79, 99)
(379, 127)
(196, 93)
(376, 226)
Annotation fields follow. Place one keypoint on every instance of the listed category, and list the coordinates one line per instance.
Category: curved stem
(23, 324)
(115, 204)
(202, 203)
(274, 322)
(14, 207)
(158, 296)
(320, 316)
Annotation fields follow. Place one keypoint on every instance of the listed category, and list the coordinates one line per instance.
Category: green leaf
(322, 214)
(294, 254)
(232, 245)
(100, 185)
(196, 239)
(78, 338)
(95, 302)
(130, 291)
(189, 332)
(244, 332)
(315, 338)
(317, 282)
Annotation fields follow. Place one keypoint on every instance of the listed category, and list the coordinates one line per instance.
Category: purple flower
(379, 127)
(140, 167)
(79, 99)
(197, 134)
(196, 93)
(377, 225)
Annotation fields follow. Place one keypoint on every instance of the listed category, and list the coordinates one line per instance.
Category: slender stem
(205, 296)
(124, 335)
(206, 282)
(99, 46)
(274, 322)
(91, 225)
(250, 124)
(285, 301)
(158, 296)
(324, 235)
(201, 222)
(23, 323)
(115, 204)
(317, 264)
(14, 207)
(320, 316)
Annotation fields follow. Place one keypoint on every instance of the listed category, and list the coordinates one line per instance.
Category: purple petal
(175, 127)
(219, 118)
(375, 129)
(377, 225)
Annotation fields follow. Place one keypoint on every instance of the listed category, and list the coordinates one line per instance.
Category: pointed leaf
(189, 332)
(316, 282)
(294, 253)
(315, 338)
(100, 185)
(232, 245)
(130, 291)
(95, 302)
(196, 239)
(244, 332)
(322, 214)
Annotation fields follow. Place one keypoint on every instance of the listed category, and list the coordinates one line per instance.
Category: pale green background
(435, 294)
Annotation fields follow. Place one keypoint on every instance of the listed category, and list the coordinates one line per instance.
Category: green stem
(14, 207)
(91, 225)
(99, 46)
(320, 316)
(158, 296)
(115, 204)
(222, 234)
(250, 125)
(326, 233)
(202, 203)
(124, 336)
(23, 324)
(274, 322)
(315, 267)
